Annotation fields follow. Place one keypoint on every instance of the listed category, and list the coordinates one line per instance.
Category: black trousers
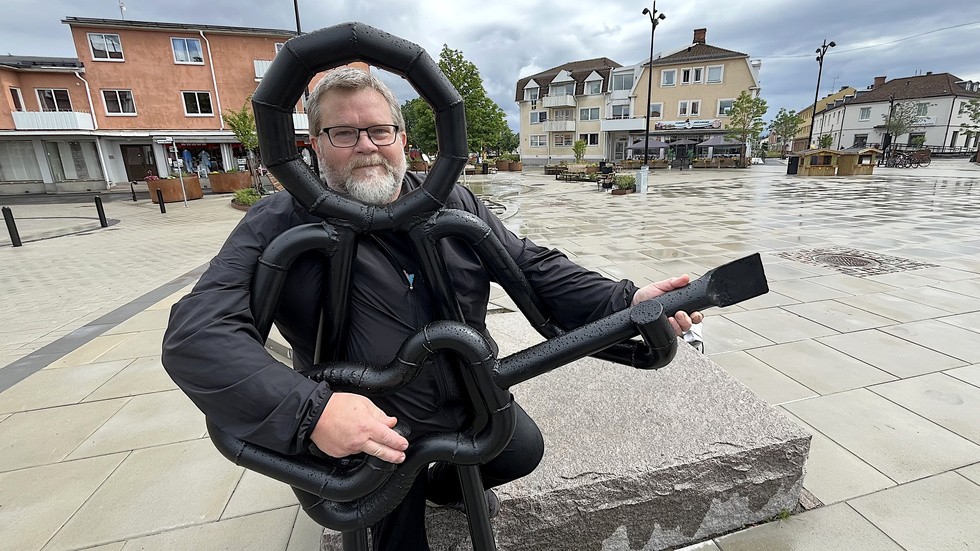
(404, 528)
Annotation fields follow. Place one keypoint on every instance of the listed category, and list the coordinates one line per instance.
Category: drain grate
(855, 262)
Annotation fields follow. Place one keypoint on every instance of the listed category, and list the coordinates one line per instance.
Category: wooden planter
(515, 166)
(227, 182)
(171, 189)
(502, 165)
(622, 191)
(728, 163)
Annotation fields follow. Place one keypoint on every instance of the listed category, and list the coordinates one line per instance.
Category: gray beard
(375, 190)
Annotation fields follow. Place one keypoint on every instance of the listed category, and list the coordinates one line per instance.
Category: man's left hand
(680, 321)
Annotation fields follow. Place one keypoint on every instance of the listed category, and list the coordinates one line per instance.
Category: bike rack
(351, 494)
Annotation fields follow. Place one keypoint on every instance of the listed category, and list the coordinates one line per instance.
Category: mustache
(370, 160)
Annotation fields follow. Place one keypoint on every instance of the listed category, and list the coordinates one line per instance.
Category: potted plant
(503, 163)
(229, 181)
(171, 189)
(515, 163)
(624, 184)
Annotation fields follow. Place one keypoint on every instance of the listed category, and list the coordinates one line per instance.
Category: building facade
(939, 101)
(800, 140)
(139, 96)
(692, 89)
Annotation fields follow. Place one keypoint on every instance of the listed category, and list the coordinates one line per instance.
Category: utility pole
(645, 169)
(821, 51)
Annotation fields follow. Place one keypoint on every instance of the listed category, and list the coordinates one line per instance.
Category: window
(538, 116)
(197, 104)
(682, 108)
(70, 161)
(952, 141)
(914, 135)
(922, 109)
(562, 115)
(865, 114)
(279, 46)
(963, 106)
(724, 106)
(715, 73)
(539, 140)
(685, 76)
(55, 99)
(187, 50)
(589, 139)
(18, 99)
(696, 108)
(656, 110)
(698, 74)
(623, 81)
(594, 87)
(105, 47)
(689, 108)
(563, 140)
(668, 77)
(119, 102)
(860, 140)
(588, 114)
(621, 112)
(567, 89)
(18, 162)
(531, 94)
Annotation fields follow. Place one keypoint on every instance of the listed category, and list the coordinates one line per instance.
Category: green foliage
(973, 112)
(745, 120)
(625, 181)
(825, 141)
(485, 120)
(242, 124)
(420, 125)
(247, 196)
(902, 120)
(578, 148)
(918, 141)
(507, 140)
(785, 125)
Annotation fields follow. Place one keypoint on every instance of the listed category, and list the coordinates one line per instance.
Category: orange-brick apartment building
(110, 115)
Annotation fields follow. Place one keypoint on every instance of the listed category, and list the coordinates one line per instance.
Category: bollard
(8, 217)
(163, 207)
(98, 206)
(132, 188)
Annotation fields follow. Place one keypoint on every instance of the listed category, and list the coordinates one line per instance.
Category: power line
(838, 52)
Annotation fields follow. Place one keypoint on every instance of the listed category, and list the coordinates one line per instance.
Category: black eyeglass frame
(394, 134)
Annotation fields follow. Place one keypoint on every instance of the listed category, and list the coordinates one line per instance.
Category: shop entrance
(138, 160)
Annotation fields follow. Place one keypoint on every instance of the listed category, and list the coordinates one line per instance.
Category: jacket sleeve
(575, 294)
(213, 352)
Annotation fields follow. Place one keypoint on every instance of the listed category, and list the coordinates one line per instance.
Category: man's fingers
(383, 452)
(385, 436)
(697, 317)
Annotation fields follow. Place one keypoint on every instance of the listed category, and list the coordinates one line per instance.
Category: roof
(125, 23)
(580, 70)
(27, 63)
(923, 86)
(696, 53)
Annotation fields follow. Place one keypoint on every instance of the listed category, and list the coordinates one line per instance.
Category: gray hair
(349, 79)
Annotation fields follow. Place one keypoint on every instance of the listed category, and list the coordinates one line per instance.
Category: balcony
(559, 126)
(559, 101)
(926, 121)
(618, 125)
(52, 120)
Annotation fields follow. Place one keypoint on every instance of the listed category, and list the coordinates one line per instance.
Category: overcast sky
(508, 39)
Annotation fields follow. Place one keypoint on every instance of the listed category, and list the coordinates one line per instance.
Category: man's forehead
(338, 106)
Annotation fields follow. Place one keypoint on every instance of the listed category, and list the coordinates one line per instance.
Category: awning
(719, 141)
(652, 144)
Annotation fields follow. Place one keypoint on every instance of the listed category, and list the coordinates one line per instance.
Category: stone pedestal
(637, 460)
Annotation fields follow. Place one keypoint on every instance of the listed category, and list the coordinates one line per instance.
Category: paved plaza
(879, 361)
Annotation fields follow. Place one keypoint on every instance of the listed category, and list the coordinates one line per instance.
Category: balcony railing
(615, 125)
(52, 120)
(559, 126)
(559, 101)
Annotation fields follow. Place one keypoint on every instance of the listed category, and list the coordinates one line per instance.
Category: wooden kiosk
(818, 162)
(857, 161)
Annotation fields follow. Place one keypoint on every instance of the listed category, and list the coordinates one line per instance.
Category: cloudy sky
(508, 39)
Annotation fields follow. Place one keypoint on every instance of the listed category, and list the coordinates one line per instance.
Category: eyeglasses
(347, 136)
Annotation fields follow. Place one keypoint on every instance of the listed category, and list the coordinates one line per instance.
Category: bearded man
(215, 354)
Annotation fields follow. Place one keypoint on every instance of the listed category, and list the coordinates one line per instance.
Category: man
(215, 355)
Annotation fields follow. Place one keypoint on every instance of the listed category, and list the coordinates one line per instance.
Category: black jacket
(214, 353)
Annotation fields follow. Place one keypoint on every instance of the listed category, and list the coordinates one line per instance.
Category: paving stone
(970, 374)
(58, 387)
(838, 316)
(892, 307)
(889, 353)
(255, 493)
(770, 384)
(818, 367)
(942, 399)
(941, 337)
(779, 325)
(265, 531)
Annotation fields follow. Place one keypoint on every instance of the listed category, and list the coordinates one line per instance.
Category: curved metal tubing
(300, 59)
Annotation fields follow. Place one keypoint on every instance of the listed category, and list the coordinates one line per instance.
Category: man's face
(366, 172)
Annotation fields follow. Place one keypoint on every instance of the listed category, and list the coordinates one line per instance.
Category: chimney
(699, 35)
(878, 82)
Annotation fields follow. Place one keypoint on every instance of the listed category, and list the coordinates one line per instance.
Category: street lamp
(821, 51)
(654, 20)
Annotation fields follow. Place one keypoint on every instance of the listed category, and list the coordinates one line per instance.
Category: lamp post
(821, 51)
(887, 141)
(655, 19)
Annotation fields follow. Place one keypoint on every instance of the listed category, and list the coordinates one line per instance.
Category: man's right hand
(351, 423)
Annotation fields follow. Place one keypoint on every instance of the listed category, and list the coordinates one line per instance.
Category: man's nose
(364, 142)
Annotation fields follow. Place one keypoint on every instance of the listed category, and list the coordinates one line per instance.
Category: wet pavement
(881, 365)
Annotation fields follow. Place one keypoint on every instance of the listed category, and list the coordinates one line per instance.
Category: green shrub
(247, 196)
(625, 181)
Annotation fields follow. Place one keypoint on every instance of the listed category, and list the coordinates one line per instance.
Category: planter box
(227, 182)
(171, 189)
(515, 167)
(419, 166)
(502, 166)
(622, 191)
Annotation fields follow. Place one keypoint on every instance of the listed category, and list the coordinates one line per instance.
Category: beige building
(601, 102)
(799, 141)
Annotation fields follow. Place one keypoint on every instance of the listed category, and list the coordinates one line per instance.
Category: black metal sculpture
(353, 493)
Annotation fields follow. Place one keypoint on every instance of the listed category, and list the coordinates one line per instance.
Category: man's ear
(404, 139)
(316, 145)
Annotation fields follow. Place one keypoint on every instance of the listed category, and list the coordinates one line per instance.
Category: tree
(578, 148)
(484, 118)
(420, 125)
(973, 127)
(745, 120)
(785, 126)
(507, 141)
(825, 141)
(242, 124)
(903, 119)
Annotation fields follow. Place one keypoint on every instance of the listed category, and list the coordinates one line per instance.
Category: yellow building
(799, 141)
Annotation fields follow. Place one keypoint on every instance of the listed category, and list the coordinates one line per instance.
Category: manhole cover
(848, 260)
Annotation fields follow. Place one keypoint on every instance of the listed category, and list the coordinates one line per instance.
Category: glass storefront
(18, 163)
(70, 161)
